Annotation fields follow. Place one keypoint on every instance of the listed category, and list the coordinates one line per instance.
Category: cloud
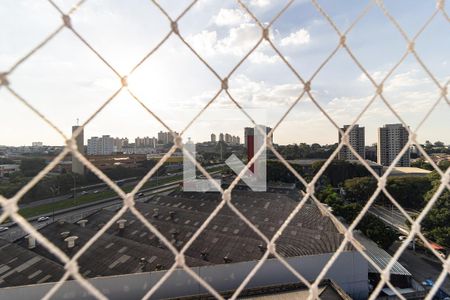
(299, 37)
(259, 3)
(230, 17)
(259, 57)
(239, 40)
(263, 94)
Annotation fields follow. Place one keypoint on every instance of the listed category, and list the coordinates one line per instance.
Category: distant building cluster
(226, 138)
(107, 145)
(392, 138)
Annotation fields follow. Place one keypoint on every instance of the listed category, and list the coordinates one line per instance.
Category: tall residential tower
(357, 141)
(391, 140)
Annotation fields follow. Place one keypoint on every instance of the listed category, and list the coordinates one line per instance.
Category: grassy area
(48, 208)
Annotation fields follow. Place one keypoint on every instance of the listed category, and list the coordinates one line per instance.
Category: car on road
(140, 194)
(96, 191)
(84, 193)
(402, 238)
(428, 283)
(2, 229)
(42, 219)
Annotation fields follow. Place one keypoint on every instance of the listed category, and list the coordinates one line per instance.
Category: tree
(436, 224)
(439, 144)
(31, 166)
(409, 191)
(340, 170)
(359, 189)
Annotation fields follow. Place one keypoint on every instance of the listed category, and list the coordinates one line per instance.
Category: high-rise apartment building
(250, 131)
(165, 137)
(149, 142)
(356, 139)
(77, 166)
(119, 144)
(100, 145)
(228, 138)
(213, 138)
(391, 140)
(221, 137)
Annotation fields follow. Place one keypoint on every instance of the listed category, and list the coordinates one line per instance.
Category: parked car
(84, 193)
(96, 191)
(42, 219)
(3, 228)
(140, 194)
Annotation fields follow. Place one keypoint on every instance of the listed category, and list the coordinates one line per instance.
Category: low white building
(7, 169)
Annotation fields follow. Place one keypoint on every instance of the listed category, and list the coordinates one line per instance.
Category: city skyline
(65, 81)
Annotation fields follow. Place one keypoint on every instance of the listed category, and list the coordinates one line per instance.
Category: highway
(392, 217)
(14, 232)
(420, 266)
(103, 187)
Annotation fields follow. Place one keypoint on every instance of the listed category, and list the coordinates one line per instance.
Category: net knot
(342, 40)
(225, 83)
(349, 235)
(345, 139)
(411, 46)
(412, 137)
(382, 182)
(440, 4)
(415, 227)
(3, 79)
(307, 86)
(180, 260)
(10, 207)
(266, 33)
(129, 200)
(67, 21)
(444, 91)
(310, 189)
(380, 89)
(124, 81)
(72, 267)
(178, 141)
(386, 275)
(71, 144)
(271, 247)
(174, 26)
(226, 195)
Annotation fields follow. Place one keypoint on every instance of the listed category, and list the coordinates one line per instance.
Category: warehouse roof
(227, 237)
(20, 266)
(109, 255)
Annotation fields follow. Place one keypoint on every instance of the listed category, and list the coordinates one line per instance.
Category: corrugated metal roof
(20, 266)
(379, 256)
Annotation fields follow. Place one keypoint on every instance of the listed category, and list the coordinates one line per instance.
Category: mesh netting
(10, 206)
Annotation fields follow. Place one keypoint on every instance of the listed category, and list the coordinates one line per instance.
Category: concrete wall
(349, 271)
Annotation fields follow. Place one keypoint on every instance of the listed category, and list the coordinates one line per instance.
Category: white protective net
(10, 206)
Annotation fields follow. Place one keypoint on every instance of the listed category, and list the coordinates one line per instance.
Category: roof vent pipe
(71, 241)
(31, 241)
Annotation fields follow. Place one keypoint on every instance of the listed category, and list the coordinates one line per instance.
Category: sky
(65, 81)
